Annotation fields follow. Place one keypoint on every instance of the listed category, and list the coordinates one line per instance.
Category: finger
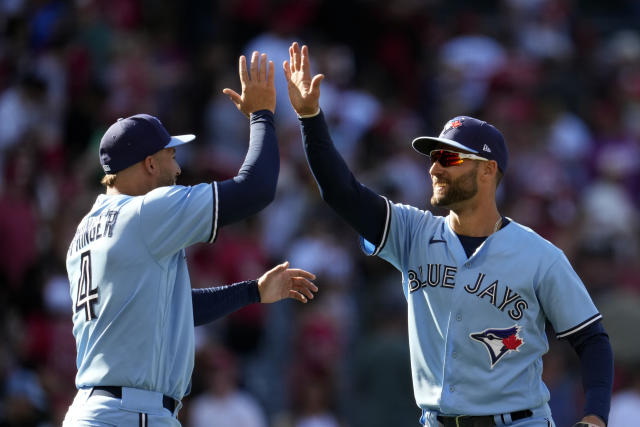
(296, 56)
(263, 67)
(304, 61)
(304, 288)
(253, 68)
(298, 296)
(291, 58)
(293, 272)
(233, 95)
(303, 283)
(271, 74)
(287, 70)
(280, 267)
(315, 84)
(242, 69)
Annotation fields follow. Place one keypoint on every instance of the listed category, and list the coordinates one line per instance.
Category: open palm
(304, 91)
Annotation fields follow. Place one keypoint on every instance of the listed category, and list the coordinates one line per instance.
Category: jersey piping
(214, 225)
(579, 326)
(385, 232)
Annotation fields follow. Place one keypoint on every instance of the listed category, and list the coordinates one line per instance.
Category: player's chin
(439, 202)
(439, 197)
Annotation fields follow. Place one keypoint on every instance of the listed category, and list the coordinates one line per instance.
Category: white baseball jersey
(477, 324)
(132, 310)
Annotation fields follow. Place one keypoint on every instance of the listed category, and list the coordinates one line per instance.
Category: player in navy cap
(133, 307)
(479, 286)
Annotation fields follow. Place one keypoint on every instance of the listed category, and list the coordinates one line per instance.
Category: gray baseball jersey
(477, 324)
(127, 266)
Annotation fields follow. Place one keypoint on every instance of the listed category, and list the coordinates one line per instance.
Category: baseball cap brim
(179, 140)
(426, 144)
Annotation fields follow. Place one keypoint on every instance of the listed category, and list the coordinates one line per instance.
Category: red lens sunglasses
(452, 158)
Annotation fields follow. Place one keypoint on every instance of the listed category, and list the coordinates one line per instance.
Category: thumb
(285, 264)
(287, 70)
(315, 83)
(233, 95)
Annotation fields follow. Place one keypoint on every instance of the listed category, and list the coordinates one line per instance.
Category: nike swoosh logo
(432, 240)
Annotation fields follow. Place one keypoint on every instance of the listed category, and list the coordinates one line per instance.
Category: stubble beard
(167, 180)
(458, 190)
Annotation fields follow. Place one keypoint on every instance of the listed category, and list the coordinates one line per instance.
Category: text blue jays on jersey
(444, 276)
(93, 228)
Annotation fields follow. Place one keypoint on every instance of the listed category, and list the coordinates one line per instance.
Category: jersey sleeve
(565, 299)
(403, 222)
(172, 218)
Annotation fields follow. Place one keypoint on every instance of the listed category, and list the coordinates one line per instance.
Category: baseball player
(479, 286)
(133, 307)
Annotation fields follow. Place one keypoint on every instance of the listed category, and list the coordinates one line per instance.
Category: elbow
(267, 196)
(336, 197)
(265, 192)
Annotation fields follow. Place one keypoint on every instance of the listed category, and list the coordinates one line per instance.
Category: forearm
(210, 304)
(255, 185)
(596, 365)
(362, 208)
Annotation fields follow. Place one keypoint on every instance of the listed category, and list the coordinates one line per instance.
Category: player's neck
(131, 183)
(129, 190)
(475, 222)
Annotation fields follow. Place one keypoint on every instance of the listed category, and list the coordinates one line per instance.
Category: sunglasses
(451, 158)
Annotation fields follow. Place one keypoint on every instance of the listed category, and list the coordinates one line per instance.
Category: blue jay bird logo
(499, 341)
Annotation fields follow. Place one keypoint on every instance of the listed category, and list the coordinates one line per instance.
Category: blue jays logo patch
(499, 342)
(452, 124)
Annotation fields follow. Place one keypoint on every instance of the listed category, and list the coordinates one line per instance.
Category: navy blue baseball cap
(129, 141)
(468, 134)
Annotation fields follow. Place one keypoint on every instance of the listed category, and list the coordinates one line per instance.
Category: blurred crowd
(560, 78)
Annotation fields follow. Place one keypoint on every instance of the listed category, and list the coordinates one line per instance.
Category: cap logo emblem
(452, 124)
(486, 148)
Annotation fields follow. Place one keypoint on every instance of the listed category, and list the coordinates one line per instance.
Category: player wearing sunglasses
(479, 286)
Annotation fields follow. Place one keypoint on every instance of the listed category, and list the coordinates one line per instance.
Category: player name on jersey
(444, 276)
(93, 228)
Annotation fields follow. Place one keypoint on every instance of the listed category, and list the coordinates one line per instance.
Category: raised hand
(304, 91)
(283, 282)
(258, 90)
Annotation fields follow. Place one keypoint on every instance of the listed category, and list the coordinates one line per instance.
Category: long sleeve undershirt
(255, 185)
(362, 208)
(596, 365)
(210, 304)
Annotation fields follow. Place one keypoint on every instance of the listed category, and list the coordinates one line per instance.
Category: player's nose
(435, 168)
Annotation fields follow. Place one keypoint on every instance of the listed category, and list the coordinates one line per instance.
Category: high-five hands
(258, 89)
(304, 91)
(283, 282)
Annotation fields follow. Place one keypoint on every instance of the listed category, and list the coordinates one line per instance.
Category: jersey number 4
(87, 296)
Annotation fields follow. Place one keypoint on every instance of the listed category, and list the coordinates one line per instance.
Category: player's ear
(150, 165)
(489, 170)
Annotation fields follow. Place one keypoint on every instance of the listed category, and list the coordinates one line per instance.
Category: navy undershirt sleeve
(255, 185)
(596, 365)
(210, 304)
(362, 208)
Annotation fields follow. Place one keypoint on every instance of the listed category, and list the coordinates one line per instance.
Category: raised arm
(253, 188)
(362, 208)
